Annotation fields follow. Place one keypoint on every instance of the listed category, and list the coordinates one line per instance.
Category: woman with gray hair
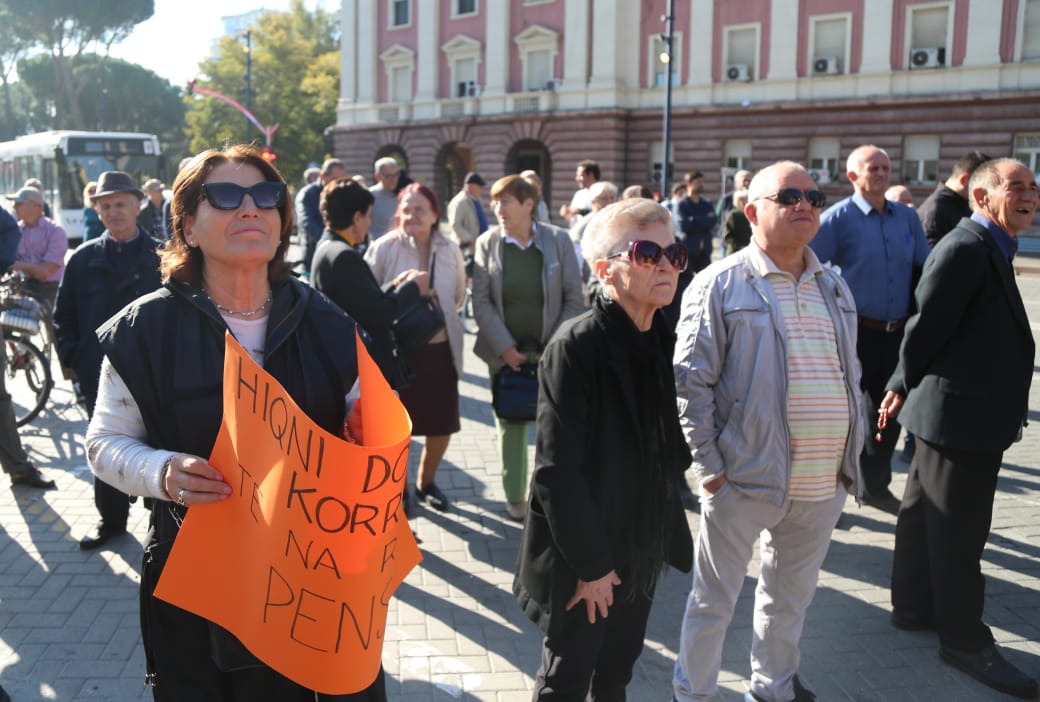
(605, 514)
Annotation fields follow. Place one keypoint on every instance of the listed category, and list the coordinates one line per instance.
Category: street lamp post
(667, 60)
(249, 76)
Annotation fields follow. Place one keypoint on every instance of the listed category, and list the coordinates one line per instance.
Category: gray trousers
(794, 541)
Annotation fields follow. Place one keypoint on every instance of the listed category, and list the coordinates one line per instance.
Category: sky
(179, 35)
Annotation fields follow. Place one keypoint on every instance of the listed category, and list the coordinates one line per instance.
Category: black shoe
(686, 496)
(801, 693)
(989, 667)
(911, 622)
(883, 500)
(33, 478)
(98, 536)
(434, 497)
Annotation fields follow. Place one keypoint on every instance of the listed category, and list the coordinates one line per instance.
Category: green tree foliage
(295, 83)
(67, 30)
(115, 95)
(12, 46)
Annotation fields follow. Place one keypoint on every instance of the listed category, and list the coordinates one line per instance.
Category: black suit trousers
(593, 661)
(878, 353)
(941, 531)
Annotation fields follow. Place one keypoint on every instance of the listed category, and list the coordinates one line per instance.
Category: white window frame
(1027, 154)
(826, 151)
(1020, 34)
(654, 61)
(908, 36)
(538, 2)
(536, 38)
(843, 69)
(727, 60)
(455, 9)
(462, 48)
(733, 149)
(397, 57)
(913, 170)
(390, 14)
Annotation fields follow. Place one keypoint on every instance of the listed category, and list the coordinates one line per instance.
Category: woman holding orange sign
(160, 402)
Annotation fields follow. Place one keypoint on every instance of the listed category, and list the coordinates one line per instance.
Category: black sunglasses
(229, 196)
(647, 253)
(789, 197)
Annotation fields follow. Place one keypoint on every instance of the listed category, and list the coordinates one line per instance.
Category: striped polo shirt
(817, 400)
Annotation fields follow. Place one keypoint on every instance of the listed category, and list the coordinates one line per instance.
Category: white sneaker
(516, 510)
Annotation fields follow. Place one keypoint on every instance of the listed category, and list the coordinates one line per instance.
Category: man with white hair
(964, 370)
(880, 247)
(769, 402)
(387, 173)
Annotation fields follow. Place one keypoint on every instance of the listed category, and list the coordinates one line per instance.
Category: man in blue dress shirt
(880, 247)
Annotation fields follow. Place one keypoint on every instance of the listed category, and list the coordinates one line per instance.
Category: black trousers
(878, 353)
(593, 661)
(941, 531)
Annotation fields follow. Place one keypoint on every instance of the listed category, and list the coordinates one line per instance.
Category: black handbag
(419, 322)
(514, 393)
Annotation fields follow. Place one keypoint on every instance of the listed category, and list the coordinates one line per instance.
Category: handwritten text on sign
(301, 561)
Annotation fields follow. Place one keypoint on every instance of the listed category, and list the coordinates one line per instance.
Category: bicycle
(27, 369)
(469, 323)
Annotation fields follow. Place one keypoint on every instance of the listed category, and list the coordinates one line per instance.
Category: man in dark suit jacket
(966, 362)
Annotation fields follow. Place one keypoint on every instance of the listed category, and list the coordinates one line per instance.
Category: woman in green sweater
(526, 282)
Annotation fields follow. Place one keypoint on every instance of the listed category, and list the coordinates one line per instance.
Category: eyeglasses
(789, 197)
(647, 253)
(229, 196)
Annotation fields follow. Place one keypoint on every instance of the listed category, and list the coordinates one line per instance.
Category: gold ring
(180, 497)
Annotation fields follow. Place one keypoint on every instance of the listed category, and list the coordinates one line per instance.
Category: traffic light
(268, 155)
(191, 87)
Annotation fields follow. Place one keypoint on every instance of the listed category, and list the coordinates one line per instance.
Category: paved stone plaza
(69, 626)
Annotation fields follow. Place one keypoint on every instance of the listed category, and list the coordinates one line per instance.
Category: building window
(464, 8)
(463, 56)
(930, 35)
(658, 65)
(824, 155)
(1027, 150)
(538, 48)
(399, 64)
(828, 53)
(741, 52)
(738, 154)
(921, 160)
(400, 13)
(1030, 30)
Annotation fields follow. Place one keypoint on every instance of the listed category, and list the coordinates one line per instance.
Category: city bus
(65, 161)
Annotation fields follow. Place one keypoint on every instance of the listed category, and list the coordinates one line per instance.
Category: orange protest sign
(299, 563)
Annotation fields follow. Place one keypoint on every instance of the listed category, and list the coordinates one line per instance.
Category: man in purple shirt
(41, 252)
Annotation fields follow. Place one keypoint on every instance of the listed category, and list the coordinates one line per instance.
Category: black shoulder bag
(419, 322)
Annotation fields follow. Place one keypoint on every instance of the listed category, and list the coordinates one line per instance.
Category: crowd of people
(774, 379)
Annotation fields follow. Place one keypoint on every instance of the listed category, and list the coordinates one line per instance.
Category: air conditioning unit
(821, 175)
(738, 72)
(825, 65)
(929, 57)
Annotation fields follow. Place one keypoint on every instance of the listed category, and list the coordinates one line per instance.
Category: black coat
(941, 212)
(589, 465)
(967, 355)
(339, 271)
(91, 291)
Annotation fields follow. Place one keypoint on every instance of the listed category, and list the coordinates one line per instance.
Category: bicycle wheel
(27, 376)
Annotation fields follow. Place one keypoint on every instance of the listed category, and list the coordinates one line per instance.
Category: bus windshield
(86, 158)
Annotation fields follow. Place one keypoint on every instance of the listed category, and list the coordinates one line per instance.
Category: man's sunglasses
(789, 197)
(229, 196)
(647, 253)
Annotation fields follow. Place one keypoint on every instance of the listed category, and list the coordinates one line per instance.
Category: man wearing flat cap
(103, 276)
(465, 211)
(41, 251)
